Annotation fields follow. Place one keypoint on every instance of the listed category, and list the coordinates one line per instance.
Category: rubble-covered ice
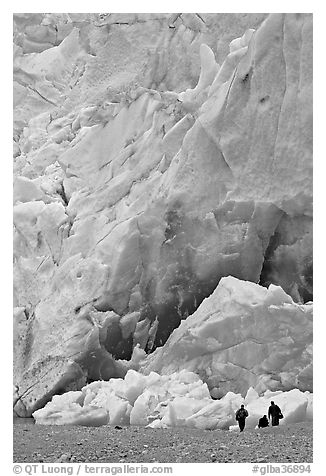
(161, 401)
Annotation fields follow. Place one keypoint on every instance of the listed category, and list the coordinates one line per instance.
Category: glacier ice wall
(150, 161)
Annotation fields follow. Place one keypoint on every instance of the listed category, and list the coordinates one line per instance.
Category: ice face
(142, 179)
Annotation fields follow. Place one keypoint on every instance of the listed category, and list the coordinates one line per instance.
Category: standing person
(274, 411)
(241, 416)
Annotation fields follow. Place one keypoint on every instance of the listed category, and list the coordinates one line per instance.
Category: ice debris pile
(151, 160)
(179, 399)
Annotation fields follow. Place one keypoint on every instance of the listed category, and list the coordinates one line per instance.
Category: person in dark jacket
(263, 422)
(241, 416)
(274, 411)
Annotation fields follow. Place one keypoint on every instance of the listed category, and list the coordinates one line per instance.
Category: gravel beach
(105, 444)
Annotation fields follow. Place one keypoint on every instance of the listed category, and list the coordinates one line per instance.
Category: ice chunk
(242, 336)
(238, 43)
(74, 415)
(309, 411)
(144, 406)
(26, 190)
(68, 409)
(251, 395)
(209, 68)
(217, 414)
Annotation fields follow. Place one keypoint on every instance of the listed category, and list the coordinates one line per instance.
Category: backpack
(241, 413)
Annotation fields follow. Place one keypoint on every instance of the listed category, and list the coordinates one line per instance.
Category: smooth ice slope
(242, 336)
(180, 399)
(151, 160)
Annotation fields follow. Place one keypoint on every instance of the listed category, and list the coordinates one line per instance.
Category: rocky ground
(36, 443)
